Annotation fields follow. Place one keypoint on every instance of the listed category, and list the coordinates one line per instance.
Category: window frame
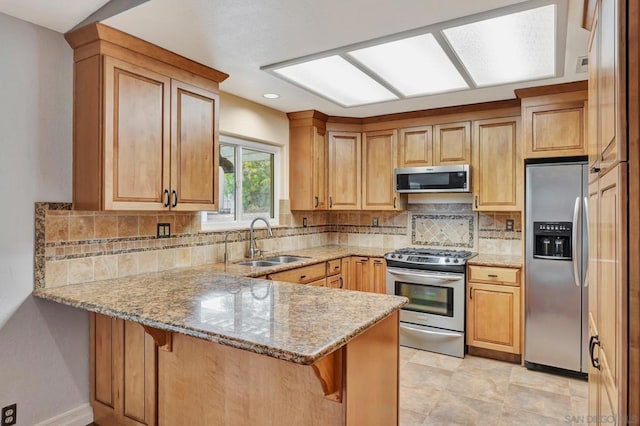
(239, 143)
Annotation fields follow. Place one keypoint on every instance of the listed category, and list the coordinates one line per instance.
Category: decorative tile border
(451, 230)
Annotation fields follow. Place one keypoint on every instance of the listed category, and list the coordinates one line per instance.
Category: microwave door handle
(574, 242)
(401, 273)
(586, 243)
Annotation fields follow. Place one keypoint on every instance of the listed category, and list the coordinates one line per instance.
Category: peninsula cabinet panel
(123, 372)
(345, 177)
(194, 133)
(378, 276)
(497, 168)
(378, 162)
(452, 143)
(415, 147)
(554, 125)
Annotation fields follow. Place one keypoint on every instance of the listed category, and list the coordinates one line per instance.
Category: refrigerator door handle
(574, 242)
(586, 243)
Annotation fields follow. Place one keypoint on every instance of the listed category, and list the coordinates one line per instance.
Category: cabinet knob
(593, 342)
(317, 202)
(394, 202)
(330, 202)
(341, 282)
(476, 198)
(492, 275)
(166, 194)
(175, 198)
(595, 170)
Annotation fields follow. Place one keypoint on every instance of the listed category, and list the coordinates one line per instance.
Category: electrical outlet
(509, 226)
(374, 221)
(164, 230)
(9, 415)
(304, 222)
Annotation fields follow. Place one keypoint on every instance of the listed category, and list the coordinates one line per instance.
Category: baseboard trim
(79, 416)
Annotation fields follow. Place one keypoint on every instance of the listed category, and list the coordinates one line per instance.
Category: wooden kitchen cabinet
(493, 310)
(368, 274)
(554, 125)
(145, 125)
(302, 275)
(415, 147)
(123, 362)
(497, 165)
(345, 166)
(452, 143)
(438, 145)
(308, 167)
(378, 163)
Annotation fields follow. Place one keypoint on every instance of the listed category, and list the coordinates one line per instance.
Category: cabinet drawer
(302, 275)
(495, 275)
(321, 282)
(335, 281)
(334, 267)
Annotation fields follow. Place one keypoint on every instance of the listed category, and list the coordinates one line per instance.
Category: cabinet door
(345, 184)
(497, 168)
(335, 281)
(554, 125)
(319, 170)
(612, 284)
(452, 143)
(194, 146)
(360, 277)
(379, 276)
(415, 147)
(493, 317)
(346, 275)
(612, 148)
(136, 137)
(593, 142)
(378, 154)
(123, 366)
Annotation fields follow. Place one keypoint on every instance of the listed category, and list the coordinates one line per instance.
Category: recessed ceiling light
(414, 66)
(336, 79)
(271, 95)
(515, 47)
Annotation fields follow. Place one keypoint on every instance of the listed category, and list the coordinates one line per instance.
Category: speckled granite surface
(496, 260)
(293, 322)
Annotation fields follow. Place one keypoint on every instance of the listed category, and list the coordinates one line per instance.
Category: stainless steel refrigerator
(556, 308)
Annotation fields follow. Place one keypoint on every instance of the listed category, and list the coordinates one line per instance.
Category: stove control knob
(393, 256)
(447, 260)
(456, 260)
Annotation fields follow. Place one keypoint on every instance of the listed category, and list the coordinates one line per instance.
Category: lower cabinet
(123, 361)
(368, 274)
(312, 274)
(493, 309)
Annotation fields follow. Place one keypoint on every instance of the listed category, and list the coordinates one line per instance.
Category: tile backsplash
(77, 246)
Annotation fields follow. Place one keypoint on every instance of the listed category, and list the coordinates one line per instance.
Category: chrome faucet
(253, 250)
(226, 235)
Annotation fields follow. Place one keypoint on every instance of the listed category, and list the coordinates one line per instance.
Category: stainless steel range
(434, 281)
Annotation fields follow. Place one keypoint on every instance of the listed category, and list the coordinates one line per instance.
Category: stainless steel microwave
(433, 179)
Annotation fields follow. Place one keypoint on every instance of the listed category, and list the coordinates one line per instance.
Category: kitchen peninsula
(218, 348)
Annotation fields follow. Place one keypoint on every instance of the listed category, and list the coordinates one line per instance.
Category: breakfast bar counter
(195, 346)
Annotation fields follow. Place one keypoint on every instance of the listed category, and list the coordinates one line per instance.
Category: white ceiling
(239, 36)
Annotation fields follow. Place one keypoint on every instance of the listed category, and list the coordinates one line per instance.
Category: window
(248, 184)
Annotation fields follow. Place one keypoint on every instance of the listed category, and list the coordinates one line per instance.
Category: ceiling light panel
(414, 66)
(336, 79)
(515, 47)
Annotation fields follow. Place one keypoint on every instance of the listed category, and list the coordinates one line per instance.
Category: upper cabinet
(441, 144)
(145, 125)
(345, 170)
(497, 165)
(308, 161)
(378, 162)
(554, 124)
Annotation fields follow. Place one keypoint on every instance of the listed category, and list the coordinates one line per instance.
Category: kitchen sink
(284, 259)
(258, 263)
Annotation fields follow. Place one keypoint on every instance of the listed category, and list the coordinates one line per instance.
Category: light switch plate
(164, 230)
(509, 226)
(374, 221)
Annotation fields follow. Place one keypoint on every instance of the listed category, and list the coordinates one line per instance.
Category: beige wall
(243, 118)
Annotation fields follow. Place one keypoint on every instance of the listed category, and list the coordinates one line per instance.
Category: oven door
(436, 299)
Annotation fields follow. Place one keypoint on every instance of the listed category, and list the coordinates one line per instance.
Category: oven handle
(439, 333)
(447, 277)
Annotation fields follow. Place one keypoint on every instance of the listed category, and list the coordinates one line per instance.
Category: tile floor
(442, 390)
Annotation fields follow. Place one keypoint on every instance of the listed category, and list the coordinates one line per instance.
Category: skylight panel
(335, 78)
(414, 66)
(515, 47)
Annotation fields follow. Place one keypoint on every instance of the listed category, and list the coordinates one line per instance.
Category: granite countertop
(293, 322)
(504, 260)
